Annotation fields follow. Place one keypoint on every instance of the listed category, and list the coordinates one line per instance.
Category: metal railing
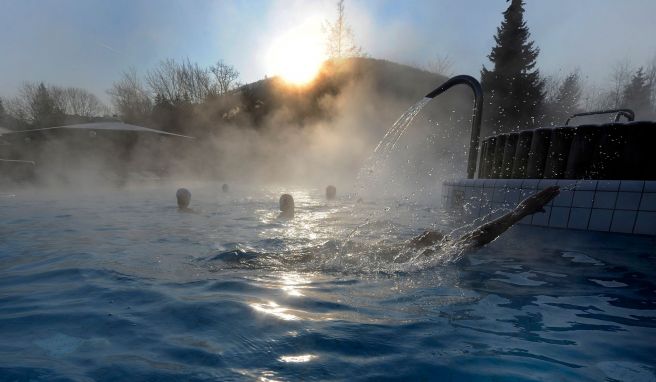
(627, 113)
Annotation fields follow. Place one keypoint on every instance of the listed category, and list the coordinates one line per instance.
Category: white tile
(542, 218)
(567, 183)
(583, 199)
(497, 211)
(648, 202)
(559, 217)
(489, 183)
(501, 183)
(628, 200)
(512, 196)
(586, 185)
(600, 220)
(544, 183)
(564, 199)
(578, 218)
(486, 195)
(608, 185)
(499, 195)
(632, 185)
(646, 223)
(530, 183)
(514, 183)
(623, 221)
(604, 199)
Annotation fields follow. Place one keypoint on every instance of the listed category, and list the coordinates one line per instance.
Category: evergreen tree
(566, 100)
(636, 94)
(514, 88)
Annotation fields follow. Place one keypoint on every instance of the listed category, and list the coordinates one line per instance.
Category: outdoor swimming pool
(119, 286)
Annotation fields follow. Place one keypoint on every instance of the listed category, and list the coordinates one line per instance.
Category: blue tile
(604, 199)
(526, 220)
(650, 186)
(623, 221)
(583, 199)
(628, 201)
(600, 220)
(646, 223)
(632, 185)
(586, 185)
(564, 199)
(559, 217)
(648, 202)
(542, 218)
(608, 185)
(579, 218)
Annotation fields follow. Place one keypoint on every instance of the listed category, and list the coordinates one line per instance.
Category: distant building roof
(117, 126)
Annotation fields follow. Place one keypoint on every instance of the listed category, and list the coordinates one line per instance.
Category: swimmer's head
(287, 205)
(331, 192)
(184, 197)
(225, 187)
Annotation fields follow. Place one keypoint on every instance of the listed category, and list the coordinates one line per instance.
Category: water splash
(389, 141)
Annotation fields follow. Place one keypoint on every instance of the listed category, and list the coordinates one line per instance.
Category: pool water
(119, 286)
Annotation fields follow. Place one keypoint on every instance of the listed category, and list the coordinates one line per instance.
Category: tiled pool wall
(626, 206)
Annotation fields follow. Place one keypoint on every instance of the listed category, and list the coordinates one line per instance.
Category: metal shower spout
(477, 113)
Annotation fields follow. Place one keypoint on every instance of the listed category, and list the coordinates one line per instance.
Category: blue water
(119, 286)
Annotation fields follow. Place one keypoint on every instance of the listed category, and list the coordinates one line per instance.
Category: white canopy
(116, 126)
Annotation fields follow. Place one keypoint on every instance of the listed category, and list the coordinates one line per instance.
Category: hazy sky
(87, 43)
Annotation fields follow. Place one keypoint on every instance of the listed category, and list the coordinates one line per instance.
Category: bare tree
(226, 78)
(340, 42)
(440, 64)
(178, 82)
(130, 98)
(80, 102)
(163, 80)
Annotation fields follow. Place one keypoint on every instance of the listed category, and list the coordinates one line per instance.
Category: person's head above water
(286, 206)
(184, 197)
(225, 187)
(331, 192)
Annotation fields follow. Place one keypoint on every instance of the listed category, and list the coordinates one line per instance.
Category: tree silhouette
(513, 86)
(565, 101)
(637, 94)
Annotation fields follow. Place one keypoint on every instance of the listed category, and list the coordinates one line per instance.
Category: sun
(297, 54)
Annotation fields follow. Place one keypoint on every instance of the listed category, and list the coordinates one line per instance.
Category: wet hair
(287, 204)
(331, 192)
(184, 197)
(225, 187)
